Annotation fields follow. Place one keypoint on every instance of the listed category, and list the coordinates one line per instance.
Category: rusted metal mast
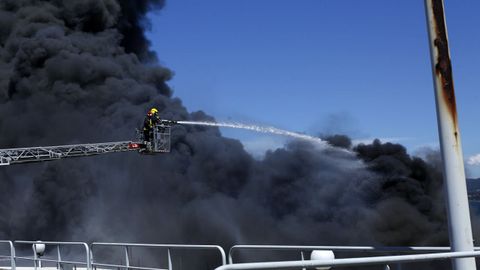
(460, 229)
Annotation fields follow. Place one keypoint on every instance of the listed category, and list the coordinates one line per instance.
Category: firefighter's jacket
(150, 122)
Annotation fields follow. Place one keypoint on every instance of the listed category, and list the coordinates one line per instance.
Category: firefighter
(149, 123)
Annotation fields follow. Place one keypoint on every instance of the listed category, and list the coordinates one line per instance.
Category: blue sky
(361, 68)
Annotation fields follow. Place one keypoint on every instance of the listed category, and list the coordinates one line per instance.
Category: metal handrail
(337, 248)
(13, 263)
(167, 246)
(351, 261)
(59, 261)
(377, 260)
(118, 266)
(50, 260)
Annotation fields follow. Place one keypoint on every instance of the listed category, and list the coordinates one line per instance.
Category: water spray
(262, 129)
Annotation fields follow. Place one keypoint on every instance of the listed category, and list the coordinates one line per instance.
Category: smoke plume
(78, 71)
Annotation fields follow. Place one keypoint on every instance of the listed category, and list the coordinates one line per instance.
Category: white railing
(379, 260)
(368, 249)
(10, 257)
(168, 247)
(88, 254)
(302, 249)
(58, 261)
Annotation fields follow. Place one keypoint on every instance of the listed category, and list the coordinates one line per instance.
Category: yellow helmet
(153, 111)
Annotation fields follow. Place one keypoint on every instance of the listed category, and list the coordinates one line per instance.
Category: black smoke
(76, 71)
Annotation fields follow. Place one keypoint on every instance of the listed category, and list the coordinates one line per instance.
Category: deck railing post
(460, 229)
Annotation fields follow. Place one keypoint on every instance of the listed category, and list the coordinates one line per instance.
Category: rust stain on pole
(460, 229)
(443, 65)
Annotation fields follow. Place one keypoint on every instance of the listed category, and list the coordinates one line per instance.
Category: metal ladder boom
(35, 154)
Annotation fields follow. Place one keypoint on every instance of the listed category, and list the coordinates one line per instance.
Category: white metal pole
(460, 229)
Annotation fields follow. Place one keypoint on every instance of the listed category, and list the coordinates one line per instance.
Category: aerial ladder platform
(159, 143)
